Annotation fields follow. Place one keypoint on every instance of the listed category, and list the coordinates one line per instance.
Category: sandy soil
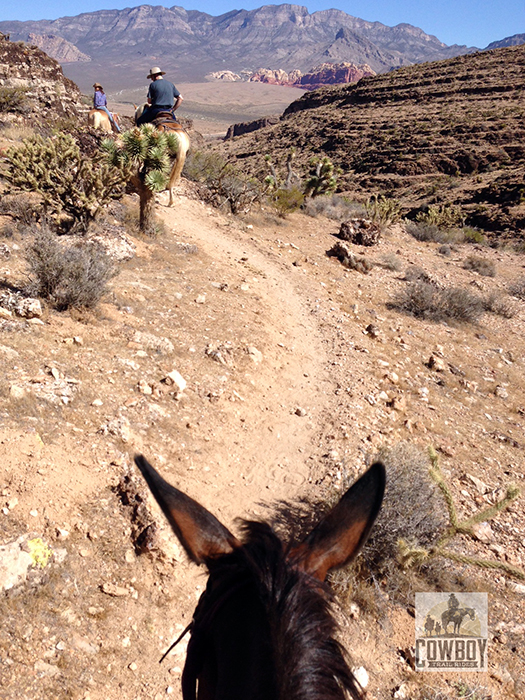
(287, 393)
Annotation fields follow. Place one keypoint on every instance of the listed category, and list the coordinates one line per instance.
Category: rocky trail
(249, 368)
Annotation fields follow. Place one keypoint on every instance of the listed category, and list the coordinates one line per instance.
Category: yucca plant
(144, 155)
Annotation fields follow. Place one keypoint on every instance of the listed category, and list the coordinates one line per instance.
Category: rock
(501, 392)
(29, 308)
(483, 532)
(481, 486)
(144, 387)
(256, 355)
(372, 331)
(436, 363)
(402, 692)
(516, 587)
(5, 313)
(398, 403)
(17, 392)
(300, 411)
(360, 232)
(201, 299)
(113, 590)
(45, 669)
(18, 557)
(176, 380)
(161, 345)
(361, 676)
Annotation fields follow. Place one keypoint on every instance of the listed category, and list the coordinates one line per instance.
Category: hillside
(191, 44)
(298, 371)
(450, 131)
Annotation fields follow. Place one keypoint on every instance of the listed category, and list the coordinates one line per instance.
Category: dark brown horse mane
(310, 663)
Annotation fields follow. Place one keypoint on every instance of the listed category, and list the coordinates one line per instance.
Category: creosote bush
(480, 265)
(286, 201)
(426, 301)
(72, 276)
(227, 186)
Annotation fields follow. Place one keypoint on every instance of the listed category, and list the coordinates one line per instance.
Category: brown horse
(98, 119)
(456, 617)
(166, 122)
(264, 629)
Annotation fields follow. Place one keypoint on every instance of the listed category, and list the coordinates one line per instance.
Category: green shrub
(286, 201)
(480, 265)
(472, 235)
(74, 276)
(73, 189)
(383, 210)
(13, 99)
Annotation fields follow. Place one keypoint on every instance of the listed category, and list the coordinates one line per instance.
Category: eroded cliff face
(61, 50)
(325, 74)
(44, 91)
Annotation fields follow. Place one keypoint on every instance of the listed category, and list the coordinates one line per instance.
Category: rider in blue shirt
(100, 102)
(163, 96)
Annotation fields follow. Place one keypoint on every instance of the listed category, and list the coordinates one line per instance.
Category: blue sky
(471, 22)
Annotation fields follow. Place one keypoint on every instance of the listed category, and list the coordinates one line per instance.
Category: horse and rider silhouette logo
(451, 631)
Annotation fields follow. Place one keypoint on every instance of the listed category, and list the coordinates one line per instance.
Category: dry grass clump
(426, 301)
(75, 276)
(481, 265)
(390, 261)
(427, 232)
(517, 288)
(334, 207)
(500, 305)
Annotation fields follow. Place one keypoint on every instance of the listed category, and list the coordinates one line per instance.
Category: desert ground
(298, 371)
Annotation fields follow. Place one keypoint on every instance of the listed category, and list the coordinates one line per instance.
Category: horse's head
(263, 629)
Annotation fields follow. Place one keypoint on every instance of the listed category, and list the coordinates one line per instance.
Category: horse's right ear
(339, 536)
(200, 533)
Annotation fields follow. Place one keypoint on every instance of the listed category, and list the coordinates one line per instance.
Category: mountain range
(123, 44)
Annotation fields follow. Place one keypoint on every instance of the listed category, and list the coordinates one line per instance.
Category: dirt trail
(293, 367)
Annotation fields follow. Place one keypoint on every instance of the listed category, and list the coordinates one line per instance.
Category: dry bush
(390, 261)
(335, 207)
(501, 305)
(453, 304)
(23, 207)
(517, 288)
(427, 232)
(480, 265)
(445, 250)
(75, 276)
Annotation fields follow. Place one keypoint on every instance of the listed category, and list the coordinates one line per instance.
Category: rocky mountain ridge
(124, 43)
(325, 74)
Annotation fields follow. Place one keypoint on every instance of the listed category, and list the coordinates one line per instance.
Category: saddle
(167, 120)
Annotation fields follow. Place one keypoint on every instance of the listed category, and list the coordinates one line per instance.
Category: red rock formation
(325, 74)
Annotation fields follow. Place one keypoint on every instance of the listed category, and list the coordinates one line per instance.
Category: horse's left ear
(339, 536)
(200, 533)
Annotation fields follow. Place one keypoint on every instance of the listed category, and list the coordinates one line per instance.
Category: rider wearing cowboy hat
(100, 102)
(163, 96)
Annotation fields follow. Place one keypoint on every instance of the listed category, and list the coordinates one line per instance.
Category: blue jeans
(149, 114)
(106, 110)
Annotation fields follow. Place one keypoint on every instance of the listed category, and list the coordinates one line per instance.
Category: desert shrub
(286, 201)
(334, 207)
(480, 265)
(74, 276)
(383, 210)
(445, 250)
(472, 235)
(415, 273)
(445, 215)
(426, 301)
(500, 305)
(322, 178)
(517, 288)
(73, 190)
(21, 207)
(390, 261)
(426, 232)
(226, 185)
(13, 99)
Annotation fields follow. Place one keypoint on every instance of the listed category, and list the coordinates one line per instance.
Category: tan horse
(98, 119)
(168, 124)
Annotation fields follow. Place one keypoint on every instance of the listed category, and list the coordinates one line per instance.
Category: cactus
(73, 190)
(322, 178)
(410, 555)
(143, 156)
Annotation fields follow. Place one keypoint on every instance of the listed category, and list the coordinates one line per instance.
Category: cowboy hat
(155, 71)
(97, 85)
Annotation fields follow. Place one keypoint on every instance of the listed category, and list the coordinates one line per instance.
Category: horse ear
(339, 536)
(200, 533)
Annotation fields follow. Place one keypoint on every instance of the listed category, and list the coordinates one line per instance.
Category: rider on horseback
(100, 102)
(163, 96)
